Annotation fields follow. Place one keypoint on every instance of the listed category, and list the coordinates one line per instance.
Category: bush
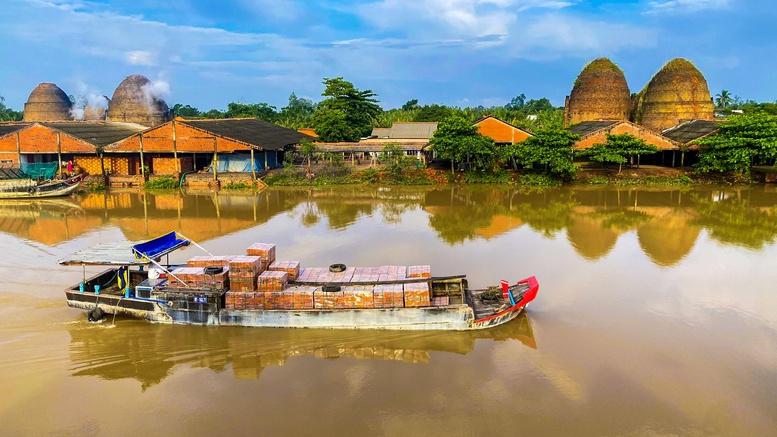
(163, 182)
(539, 180)
(238, 186)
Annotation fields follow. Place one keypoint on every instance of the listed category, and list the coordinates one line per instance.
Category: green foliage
(159, 183)
(297, 113)
(238, 186)
(410, 105)
(256, 110)
(618, 148)
(597, 180)
(359, 107)
(539, 180)
(308, 149)
(723, 100)
(740, 142)
(550, 147)
(332, 126)
(8, 114)
(433, 113)
(213, 114)
(97, 187)
(458, 140)
(185, 111)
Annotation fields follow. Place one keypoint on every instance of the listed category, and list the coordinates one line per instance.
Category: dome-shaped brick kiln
(47, 102)
(600, 92)
(676, 94)
(135, 101)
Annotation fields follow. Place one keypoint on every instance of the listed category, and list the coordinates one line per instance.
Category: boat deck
(486, 309)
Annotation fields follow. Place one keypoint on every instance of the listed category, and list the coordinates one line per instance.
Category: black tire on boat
(32, 190)
(95, 314)
(331, 288)
(213, 270)
(337, 268)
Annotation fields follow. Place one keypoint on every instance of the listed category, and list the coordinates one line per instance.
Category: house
(500, 131)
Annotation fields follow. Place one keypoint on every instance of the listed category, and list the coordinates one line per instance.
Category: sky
(207, 53)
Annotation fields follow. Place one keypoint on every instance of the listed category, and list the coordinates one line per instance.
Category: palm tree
(723, 100)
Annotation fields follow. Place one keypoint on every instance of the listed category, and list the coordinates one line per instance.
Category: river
(657, 315)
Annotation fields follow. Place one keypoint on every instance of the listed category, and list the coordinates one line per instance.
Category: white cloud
(666, 6)
(140, 57)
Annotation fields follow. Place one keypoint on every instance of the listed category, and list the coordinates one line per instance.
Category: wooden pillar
(265, 160)
(215, 161)
(682, 159)
(175, 151)
(59, 155)
(673, 154)
(638, 156)
(253, 167)
(142, 161)
(19, 149)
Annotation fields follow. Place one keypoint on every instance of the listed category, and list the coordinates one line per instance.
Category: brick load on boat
(256, 289)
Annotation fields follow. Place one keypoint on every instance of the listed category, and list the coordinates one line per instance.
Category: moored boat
(28, 188)
(257, 290)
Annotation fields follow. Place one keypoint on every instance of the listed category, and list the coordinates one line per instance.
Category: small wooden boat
(339, 299)
(27, 188)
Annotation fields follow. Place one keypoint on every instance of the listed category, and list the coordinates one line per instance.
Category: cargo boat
(256, 290)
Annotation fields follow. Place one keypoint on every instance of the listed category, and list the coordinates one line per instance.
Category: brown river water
(657, 315)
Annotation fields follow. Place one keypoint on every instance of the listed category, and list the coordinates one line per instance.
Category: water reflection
(667, 222)
(151, 353)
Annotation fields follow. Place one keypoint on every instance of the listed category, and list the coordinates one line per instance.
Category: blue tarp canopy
(159, 246)
(241, 163)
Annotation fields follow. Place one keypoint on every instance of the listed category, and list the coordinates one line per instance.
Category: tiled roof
(588, 127)
(408, 130)
(263, 134)
(10, 127)
(692, 130)
(98, 133)
(381, 132)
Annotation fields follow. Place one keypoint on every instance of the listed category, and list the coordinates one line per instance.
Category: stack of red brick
(264, 250)
(196, 277)
(243, 272)
(290, 267)
(417, 295)
(388, 296)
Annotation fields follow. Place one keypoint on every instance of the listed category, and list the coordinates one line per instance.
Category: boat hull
(446, 318)
(28, 189)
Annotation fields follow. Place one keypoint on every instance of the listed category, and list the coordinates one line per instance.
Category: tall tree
(185, 110)
(8, 114)
(458, 140)
(297, 113)
(263, 111)
(550, 147)
(358, 107)
(433, 113)
(741, 141)
(618, 149)
(332, 126)
(723, 100)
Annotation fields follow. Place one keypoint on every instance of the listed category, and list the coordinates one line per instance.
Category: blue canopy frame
(159, 246)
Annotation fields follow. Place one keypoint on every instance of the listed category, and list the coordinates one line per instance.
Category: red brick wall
(187, 139)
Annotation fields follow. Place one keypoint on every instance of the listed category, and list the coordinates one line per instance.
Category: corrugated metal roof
(98, 133)
(7, 128)
(412, 130)
(589, 127)
(260, 133)
(692, 130)
(381, 132)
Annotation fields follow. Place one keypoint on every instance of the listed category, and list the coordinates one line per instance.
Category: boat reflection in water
(150, 353)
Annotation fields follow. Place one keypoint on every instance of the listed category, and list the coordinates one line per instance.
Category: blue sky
(454, 52)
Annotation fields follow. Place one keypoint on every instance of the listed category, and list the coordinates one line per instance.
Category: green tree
(517, 102)
(723, 100)
(297, 113)
(359, 108)
(213, 114)
(257, 110)
(8, 114)
(185, 110)
(332, 126)
(550, 147)
(458, 140)
(410, 105)
(308, 149)
(433, 113)
(741, 141)
(619, 149)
